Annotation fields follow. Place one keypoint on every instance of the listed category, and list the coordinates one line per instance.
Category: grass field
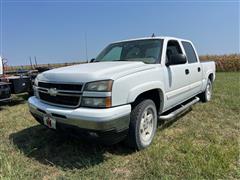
(203, 144)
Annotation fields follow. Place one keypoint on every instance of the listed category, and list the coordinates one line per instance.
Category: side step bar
(178, 111)
(6, 99)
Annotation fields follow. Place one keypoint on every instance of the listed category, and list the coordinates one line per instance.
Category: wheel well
(155, 95)
(210, 77)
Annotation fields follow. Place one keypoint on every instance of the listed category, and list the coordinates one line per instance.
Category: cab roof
(157, 37)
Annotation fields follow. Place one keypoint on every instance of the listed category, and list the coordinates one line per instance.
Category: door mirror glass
(177, 59)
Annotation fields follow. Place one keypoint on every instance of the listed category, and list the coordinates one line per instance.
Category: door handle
(186, 71)
(198, 69)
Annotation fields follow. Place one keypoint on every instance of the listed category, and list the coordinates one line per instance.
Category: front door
(177, 77)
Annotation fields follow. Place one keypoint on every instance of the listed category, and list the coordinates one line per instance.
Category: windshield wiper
(110, 60)
(121, 60)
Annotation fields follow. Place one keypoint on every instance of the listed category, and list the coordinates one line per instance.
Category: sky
(56, 31)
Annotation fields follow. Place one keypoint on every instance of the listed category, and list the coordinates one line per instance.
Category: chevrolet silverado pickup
(124, 91)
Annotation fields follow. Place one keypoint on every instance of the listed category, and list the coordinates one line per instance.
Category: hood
(93, 71)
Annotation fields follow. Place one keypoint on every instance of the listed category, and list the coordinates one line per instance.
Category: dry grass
(203, 144)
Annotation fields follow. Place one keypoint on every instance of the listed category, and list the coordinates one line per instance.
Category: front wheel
(143, 125)
(207, 94)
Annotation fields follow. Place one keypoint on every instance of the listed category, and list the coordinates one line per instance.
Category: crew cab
(123, 93)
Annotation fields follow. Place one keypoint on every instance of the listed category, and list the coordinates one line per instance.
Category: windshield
(147, 51)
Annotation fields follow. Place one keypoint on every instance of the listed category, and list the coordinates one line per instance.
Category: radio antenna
(1, 27)
(86, 49)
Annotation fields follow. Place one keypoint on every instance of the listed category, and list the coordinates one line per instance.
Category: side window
(190, 53)
(114, 53)
(173, 48)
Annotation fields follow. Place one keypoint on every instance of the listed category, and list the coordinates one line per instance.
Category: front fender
(141, 88)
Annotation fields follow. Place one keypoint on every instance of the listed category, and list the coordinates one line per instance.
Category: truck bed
(208, 66)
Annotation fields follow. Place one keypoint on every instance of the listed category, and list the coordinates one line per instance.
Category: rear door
(176, 76)
(195, 68)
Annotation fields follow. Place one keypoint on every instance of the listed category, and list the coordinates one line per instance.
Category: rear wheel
(143, 124)
(207, 94)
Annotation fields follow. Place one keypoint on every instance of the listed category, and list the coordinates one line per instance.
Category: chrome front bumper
(116, 118)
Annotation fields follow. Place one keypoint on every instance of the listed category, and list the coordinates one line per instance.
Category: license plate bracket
(49, 122)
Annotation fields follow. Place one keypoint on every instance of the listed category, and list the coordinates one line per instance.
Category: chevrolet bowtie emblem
(52, 91)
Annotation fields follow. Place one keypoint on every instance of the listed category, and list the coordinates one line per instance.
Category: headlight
(102, 102)
(36, 81)
(35, 92)
(100, 86)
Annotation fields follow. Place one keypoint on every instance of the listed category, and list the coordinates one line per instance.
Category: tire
(143, 125)
(207, 94)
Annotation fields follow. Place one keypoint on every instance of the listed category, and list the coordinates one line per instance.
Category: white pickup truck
(122, 93)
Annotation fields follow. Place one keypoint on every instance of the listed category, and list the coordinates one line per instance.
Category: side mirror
(92, 60)
(177, 59)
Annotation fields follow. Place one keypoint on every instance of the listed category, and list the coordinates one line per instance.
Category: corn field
(224, 63)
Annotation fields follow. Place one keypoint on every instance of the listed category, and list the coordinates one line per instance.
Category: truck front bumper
(91, 120)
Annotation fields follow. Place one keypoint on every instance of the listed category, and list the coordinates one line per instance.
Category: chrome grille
(60, 94)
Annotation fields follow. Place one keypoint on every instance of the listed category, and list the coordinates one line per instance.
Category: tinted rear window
(190, 53)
